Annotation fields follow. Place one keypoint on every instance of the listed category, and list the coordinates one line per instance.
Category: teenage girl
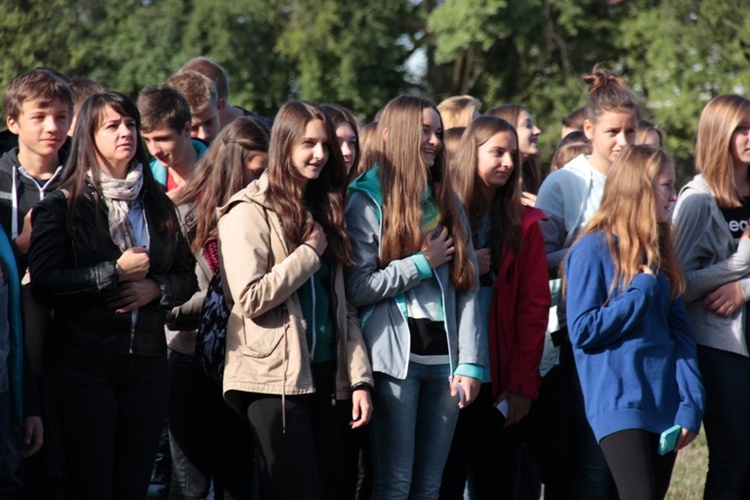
(294, 348)
(208, 441)
(633, 345)
(570, 197)
(414, 282)
(713, 244)
(512, 262)
(528, 145)
(346, 133)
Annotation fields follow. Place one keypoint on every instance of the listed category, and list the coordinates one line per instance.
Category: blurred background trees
(676, 54)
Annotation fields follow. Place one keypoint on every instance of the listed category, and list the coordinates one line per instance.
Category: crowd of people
(198, 301)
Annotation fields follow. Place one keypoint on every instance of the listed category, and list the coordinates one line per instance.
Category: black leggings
(305, 461)
(640, 472)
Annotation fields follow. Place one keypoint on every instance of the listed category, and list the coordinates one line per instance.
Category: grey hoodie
(710, 257)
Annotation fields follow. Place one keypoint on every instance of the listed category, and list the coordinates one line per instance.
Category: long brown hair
(531, 171)
(220, 174)
(627, 216)
(505, 208)
(83, 158)
(713, 156)
(299, 203)
(404, 178)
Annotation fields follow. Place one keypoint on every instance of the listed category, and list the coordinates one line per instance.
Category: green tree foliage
(677, 54)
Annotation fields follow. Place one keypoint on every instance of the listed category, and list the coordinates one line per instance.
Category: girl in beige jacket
(294, 347)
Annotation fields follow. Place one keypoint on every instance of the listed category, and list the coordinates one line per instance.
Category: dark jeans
(726, 378)
(639, 471)
(209, 442)
(302, 459)
(112, 410)
(591, 475)
(485, 453)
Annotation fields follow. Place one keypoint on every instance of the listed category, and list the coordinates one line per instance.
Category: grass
(689, 473)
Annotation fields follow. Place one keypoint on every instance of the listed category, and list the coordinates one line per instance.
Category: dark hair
(531, 172)
(505, 207)
(38, 84)
(340, 115)
(220, 174)
(575, 118)
(163, 106)
(83, 159)
(83, 88)
(297, 203)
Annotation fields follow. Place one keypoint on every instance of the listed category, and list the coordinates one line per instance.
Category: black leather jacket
(75, 274)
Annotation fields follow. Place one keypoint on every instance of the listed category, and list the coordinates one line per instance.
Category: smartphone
(504, 407)
(461, 393)
(668, 439)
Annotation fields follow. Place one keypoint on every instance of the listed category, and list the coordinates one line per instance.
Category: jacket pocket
(263, 354)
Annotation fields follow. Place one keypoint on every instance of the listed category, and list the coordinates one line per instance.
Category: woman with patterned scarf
(108, 256)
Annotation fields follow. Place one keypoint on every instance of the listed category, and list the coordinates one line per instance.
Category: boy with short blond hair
(203, 98)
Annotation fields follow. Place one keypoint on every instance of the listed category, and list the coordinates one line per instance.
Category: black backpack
(210, 341)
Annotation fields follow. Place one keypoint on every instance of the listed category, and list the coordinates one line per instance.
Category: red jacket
(519, 313)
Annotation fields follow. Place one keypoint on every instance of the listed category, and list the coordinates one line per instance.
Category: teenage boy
(215, 73)
(38, 106)
(203, 98)
(165, 128)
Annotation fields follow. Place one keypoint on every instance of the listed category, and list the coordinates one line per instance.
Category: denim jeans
(726, 377)
(411, 431)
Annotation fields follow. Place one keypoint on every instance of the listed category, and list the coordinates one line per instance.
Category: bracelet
(118, 268)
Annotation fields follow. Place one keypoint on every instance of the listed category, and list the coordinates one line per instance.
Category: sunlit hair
(627, 216)
(451, 143)
(83, 158)
(608, 93)
(299, 202)
(531, 171)
(39, 84)
(198, 89)
(713, 154)
(221, 173)
(645, 127)
(404, 178)
(458, 111)
(366, 151)
(572, 145)
(212, 71)
(339, 116)
(505, 208)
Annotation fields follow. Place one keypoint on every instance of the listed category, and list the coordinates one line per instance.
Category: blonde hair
(404, 178)
(458, 111)
(713, 156)
(505, 207)
(627, 216)
(452, 144)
